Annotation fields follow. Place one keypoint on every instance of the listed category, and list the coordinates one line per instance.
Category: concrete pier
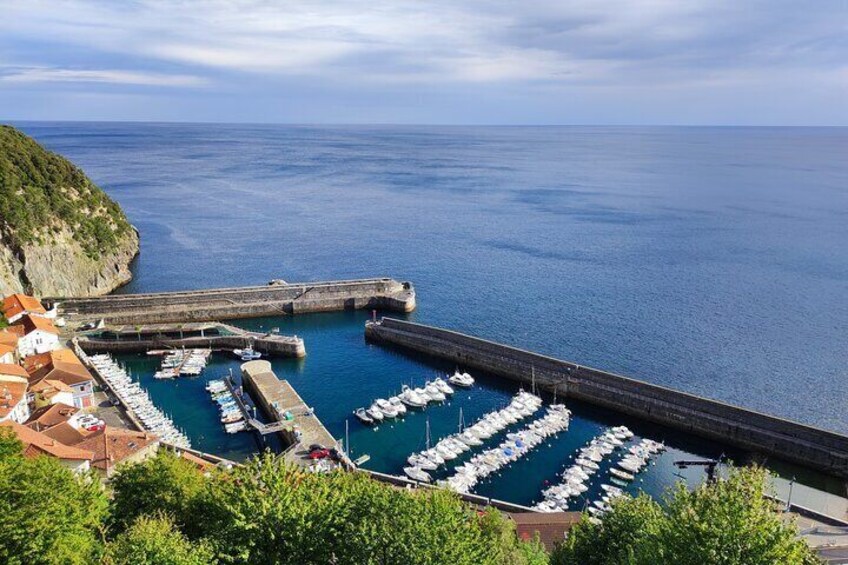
(276, 398)
(819, 449)
(144, 337)
(277, 298)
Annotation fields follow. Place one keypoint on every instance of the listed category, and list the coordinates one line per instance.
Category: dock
(277, 298)
(815, 448)
(141, 338)
(288, 413)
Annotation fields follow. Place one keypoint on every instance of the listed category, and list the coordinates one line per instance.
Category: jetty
(212, 335)
(752, 431)
(289, 415)
(277, 298)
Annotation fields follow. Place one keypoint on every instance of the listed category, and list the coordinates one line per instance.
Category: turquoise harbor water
(712, 260)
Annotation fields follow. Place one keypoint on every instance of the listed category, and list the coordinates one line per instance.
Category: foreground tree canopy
(165, 512)
(726, 523)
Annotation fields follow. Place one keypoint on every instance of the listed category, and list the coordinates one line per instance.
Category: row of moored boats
(183, 362)
(437, 390)
(231, 414)
(136, 399)
(452, 446)
(517, 445)
(575, 478)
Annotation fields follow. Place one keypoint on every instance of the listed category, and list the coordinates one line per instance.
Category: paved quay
(296, 421)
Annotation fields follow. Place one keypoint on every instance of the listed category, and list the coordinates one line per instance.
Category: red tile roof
(550, 526)
(11, 394)
(18, 303)
(6, 349)
(49, 416)
(112, 445)
(69, 373)
(67, 434)
(36, 443)
(35, 362)
(9, 337)
(13, 370)
(32, 323)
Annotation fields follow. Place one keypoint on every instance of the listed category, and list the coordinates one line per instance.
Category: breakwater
(142, 338)
(760, 433)
(274, 299)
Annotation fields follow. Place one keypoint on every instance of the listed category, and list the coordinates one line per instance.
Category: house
(13, 394)
(16, 306)
(36, 443)
(62, 365)
(40, 335)
(9, 344)
(113, 446)
(46, 417)
(48, 391)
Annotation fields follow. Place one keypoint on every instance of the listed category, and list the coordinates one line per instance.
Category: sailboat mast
(532, 379)
(347, 438)
(427, 432)
(460, 419)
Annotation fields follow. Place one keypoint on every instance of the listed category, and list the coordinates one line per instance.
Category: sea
(712, 260)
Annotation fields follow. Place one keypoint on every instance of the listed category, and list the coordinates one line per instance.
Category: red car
(319, 454)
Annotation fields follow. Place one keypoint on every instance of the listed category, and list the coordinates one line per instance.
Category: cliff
(60, 235)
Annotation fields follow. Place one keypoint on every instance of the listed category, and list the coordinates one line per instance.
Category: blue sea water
(712, 260)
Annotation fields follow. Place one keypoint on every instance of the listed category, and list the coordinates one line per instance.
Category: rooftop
(36, 443)
(19, 303)
(32, 323)
(49, 416)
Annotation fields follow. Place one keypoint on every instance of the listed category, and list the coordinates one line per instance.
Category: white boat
(386, 407)
(363, 416)
(411, 398)
(417, 474)
(623, 475)
(422, 462)
(444, 387)
(398, 405)
(433, 393)
(247, 354)
(461, 379)
(375, 413)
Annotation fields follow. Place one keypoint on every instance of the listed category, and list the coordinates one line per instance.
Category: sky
(696, 62)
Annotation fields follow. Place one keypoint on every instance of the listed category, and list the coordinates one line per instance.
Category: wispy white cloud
(41, 74)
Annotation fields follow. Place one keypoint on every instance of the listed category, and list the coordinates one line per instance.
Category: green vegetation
(165, 512)
(726, 523)
(42, 193)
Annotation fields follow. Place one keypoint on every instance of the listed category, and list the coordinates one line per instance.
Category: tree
(156, 541)
(10, 445)
(729, 522)
(162, 484)
(47, 513)
(271, 512)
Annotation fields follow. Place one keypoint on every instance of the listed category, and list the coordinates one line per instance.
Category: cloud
(36, 74)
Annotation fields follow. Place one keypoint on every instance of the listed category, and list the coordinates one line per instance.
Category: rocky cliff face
(60, 235)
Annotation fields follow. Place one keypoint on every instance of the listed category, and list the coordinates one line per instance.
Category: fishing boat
(386, 407)
(398, 405)
(375, 413)
(444, 387)
(411, 398)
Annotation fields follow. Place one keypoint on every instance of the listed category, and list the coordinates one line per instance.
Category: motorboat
(247, 354)
(398, 405)
(422, 462)
(469, 439)
(623, 475)
(412, 398)
(386, 407)
(444, 387)
(417, 474)
(461, 379)
(363, 416)
(375, 413)
(614, 491)
(433, 393)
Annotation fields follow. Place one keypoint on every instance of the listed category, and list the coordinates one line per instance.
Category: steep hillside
(60, 235)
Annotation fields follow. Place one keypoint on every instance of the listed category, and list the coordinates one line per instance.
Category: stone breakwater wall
(244, 302)
(269, 345)
(754, 431)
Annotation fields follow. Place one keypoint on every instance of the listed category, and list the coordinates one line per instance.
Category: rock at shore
(60, 235)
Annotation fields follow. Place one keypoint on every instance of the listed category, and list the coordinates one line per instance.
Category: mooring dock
(278, 298)
(289, 414)
(798, 443)
(216, 336)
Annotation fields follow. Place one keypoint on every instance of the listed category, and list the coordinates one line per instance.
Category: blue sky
(428, 61)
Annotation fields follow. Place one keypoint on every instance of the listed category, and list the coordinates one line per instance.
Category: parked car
(319, 454)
